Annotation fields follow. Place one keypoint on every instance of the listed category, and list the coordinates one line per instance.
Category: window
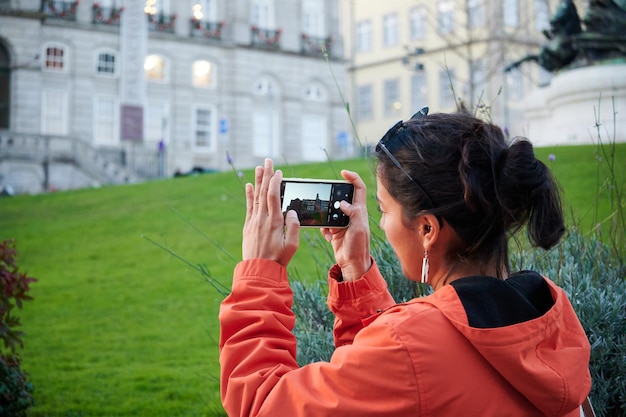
(419, 91)
(478, 75)
(542, 15)
(262, 14)
(390, 29)
(511, 13)
(105, 121)
(392, 97)
(447, 81)
(365, 100)
(155, 68)
(313, 18)
(265, 119)
(156, 7)
(156, 122)
(445, 16)
(204, 10)
(55, 58)
(514, 84)
(476, 13)
(314, 92)
(417, 23)
(54, 112)
(204, 122)
(106, 63)
(364, 36)
(202, 74)
(314, 137)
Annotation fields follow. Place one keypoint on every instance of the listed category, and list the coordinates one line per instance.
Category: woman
(487, 342)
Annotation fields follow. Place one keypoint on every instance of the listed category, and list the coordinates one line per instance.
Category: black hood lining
(490, 302)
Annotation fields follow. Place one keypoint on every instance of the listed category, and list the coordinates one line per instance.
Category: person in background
(487, 342)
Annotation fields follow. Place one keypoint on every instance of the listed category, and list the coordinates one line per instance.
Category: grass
(119, 327)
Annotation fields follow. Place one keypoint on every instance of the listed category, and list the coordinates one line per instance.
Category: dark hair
(484, 187)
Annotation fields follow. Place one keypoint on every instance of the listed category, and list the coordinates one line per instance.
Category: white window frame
(365, 102)
(54, 110)
(542, 15)
(510, 13)
(65, 60)
(166, 69)
(212, 74)
(417, 23)
(164, 121)
(313, 18)
(98, 112)
(263, 14)
(390, 30)
(364, 36)
(475, 13)
(446, 16)
(116, 63)
(314, 128)
(391, 96)
(419, 90)
(211, 131)
(315, 91)
(447, 76)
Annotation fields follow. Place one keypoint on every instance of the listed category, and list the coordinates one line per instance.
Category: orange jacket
(420, 358)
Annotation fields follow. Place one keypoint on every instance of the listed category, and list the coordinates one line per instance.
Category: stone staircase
(103, 166)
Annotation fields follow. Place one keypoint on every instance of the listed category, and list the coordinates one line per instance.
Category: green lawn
(119, 327)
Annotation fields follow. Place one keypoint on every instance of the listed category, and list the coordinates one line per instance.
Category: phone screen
(316, 201)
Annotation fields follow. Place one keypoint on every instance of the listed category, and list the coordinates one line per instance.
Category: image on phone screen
(316, 202)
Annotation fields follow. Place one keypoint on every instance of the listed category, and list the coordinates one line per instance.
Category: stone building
(116, 91)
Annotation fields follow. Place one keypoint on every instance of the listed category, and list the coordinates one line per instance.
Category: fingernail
(344, 204)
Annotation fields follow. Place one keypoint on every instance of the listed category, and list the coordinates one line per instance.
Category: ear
(429, 228)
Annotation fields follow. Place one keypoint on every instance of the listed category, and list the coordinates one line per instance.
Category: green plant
(15, 390)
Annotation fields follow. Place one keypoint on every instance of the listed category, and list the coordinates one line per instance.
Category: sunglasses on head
(383, 145)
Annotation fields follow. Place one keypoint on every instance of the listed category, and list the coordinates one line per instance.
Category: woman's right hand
(351, 245)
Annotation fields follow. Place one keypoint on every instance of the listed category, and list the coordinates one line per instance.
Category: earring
(425, 268)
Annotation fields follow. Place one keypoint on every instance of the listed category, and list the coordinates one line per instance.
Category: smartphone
(316, 201)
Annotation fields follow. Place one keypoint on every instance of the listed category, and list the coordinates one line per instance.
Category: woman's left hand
(266, 234)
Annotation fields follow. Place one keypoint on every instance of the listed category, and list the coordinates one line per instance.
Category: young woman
(487, 342)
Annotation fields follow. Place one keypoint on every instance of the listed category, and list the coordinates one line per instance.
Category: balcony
(267, 38)
(106, 15)
(59, 9)
(203, 29)
(315, 45)
(161, 22)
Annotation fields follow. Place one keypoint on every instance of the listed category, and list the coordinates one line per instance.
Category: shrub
(15, 390)
(584, 267)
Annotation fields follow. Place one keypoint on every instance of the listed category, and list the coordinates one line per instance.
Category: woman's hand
(265, 233)
(352, 244)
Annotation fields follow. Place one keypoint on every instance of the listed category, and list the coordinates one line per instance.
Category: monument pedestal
(566, 111)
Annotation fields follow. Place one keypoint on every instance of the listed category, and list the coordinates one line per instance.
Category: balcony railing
(203, 29)
(266, 37)
(106, 15)
(315, 45)
(161, 22)
(60, 9)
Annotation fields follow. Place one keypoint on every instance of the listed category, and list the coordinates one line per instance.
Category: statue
(603, 37)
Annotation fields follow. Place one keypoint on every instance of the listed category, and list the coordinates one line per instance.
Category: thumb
(292, 234)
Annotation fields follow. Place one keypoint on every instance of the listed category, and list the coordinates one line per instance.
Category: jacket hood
(526, 328)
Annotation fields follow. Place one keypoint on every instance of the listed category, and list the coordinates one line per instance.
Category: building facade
(406, 54)
(156, 87)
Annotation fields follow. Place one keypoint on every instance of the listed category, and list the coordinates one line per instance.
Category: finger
(360, 190)
(258, 176)
(273, 196)
(326, 232)
(292, 235)
(268, 172)
(249, 201)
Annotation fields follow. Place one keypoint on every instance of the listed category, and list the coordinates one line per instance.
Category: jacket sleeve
(259, 373)
(354, 302)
